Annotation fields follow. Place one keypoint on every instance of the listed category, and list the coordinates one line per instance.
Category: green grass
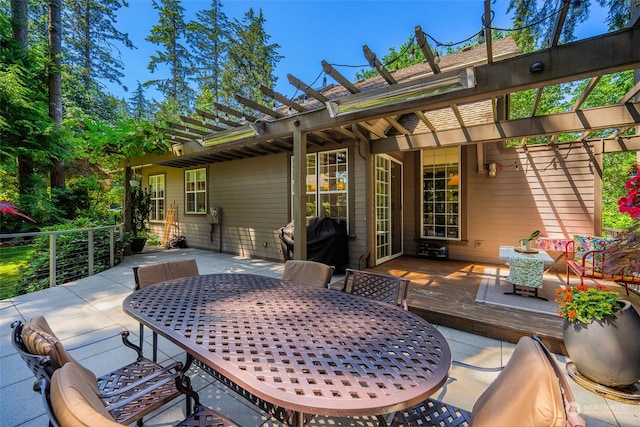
(11, 259)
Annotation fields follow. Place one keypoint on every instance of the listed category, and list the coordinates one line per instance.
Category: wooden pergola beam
(426, 49)
(285, 101)
(187, 129)
(254, 105)
(189, 120)
(335, 74)
(487, 30)
(217, 119)
(375, 62)
(298, 84)
(591, 119)
(232, 112)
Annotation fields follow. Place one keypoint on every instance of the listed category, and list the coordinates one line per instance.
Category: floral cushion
(584, 244)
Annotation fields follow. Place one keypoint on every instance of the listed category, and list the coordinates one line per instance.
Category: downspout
(361, 139)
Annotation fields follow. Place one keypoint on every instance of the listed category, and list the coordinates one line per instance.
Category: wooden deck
(444, 293)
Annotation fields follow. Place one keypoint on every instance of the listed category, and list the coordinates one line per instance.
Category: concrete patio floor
(84, 310)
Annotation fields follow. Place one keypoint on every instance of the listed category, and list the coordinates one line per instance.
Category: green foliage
(71, 257)
(13, 258)
(582, 304)
(169, 35)
(209, 38)
(140, 211)
(251, 61)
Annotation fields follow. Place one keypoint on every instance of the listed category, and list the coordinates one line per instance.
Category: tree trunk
(55, 83)
(20, 30)
(20, 22)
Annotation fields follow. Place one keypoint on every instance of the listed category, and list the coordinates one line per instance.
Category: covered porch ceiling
(462, 99)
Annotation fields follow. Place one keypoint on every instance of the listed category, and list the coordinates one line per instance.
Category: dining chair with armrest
(308, 272)
(531, 390)
(70, 401)
(44, 354)
(151, 274)
(380, 287)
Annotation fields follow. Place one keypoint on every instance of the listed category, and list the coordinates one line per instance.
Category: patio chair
(376, 286)
(308, 272)
(71, 401)
(44, 354)
(147, 275)
(530, 391)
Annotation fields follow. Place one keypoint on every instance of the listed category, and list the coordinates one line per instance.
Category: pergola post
(299, 178)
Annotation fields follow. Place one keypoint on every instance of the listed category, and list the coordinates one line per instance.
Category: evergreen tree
(251, 61)
(209, 37)
(90, 40)
(536, 21)
(169, 34)
(139, 107)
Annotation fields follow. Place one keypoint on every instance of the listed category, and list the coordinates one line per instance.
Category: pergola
(433, 104)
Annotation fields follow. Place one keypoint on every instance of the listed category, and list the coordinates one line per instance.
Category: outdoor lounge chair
(531, 390)
(44, 354)
(71, 401)
(377, 286)
(147, 275)
(308, 272)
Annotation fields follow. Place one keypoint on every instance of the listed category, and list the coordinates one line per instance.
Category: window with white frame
(440, 193)
(157, 190)
(196, 191)
(326, 183)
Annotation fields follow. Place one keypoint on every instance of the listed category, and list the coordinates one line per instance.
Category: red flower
(582, 288)
(567, 297)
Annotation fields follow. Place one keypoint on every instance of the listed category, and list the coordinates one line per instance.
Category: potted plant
(600, 334)
(140, 211)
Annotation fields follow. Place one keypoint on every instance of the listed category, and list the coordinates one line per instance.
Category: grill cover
(327, 242)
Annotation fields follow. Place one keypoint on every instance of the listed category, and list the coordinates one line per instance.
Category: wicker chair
(147, 275)
(70, 401)
(308, 272)
(530, 391)
(376, 286)
(44, 354)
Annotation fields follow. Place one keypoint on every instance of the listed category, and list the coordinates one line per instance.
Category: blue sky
(333, 30)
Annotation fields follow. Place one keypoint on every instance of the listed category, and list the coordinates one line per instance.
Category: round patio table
(306, 349)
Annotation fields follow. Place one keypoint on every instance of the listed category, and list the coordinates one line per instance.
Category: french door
(388, 207)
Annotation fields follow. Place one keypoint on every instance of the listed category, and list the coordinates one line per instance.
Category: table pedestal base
(526, 292)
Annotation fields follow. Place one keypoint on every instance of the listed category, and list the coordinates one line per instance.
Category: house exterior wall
(255, 197)
(553, 191)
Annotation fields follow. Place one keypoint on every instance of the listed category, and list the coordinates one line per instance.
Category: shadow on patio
(442, 292)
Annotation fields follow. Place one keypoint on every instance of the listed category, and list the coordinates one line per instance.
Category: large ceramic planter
(607, 351)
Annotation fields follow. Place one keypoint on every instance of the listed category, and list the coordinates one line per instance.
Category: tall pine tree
(169, 34)
(251, 61)
(209, 39)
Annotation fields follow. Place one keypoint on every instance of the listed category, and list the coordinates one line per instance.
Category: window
(440, 195)
(327, 180)
(196, 191)
(156, 187)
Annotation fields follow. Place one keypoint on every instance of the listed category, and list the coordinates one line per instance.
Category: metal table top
(304, 348)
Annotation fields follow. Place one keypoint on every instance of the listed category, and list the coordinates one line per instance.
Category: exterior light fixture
(229, 135)
(407, 91)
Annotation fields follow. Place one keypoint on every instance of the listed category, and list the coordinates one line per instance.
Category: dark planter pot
(607, 351)
(137, 244)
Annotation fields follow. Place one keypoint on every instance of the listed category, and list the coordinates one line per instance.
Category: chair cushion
(526, 393)
(74, 401)
(39, 339)
(584, 244)
(155, 273)
(308, 272)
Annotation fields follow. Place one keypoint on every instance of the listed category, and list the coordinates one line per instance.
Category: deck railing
(32, 261)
